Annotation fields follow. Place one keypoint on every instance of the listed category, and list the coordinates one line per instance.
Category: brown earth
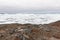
(30, 31)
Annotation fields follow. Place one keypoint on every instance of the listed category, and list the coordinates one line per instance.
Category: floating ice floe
(29, 18)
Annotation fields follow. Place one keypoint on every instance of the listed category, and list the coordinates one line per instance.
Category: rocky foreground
(30, 31)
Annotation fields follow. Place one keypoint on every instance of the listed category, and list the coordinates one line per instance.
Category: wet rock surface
(29, 32)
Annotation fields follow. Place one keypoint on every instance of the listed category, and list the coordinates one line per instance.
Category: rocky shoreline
(30, 31)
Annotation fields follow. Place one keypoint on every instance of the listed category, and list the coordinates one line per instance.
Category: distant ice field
(28, 18)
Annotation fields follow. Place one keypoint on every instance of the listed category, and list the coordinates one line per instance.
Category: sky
(17, 6)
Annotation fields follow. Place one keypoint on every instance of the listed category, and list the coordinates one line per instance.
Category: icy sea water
(28, 18)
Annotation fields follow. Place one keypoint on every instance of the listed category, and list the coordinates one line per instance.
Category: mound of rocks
(30, 31)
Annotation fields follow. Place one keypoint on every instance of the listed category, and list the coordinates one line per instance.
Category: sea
(21, 18)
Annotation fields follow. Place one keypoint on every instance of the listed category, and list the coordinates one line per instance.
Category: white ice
(28, 18)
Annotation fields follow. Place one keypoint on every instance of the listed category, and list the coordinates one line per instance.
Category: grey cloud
(16, 6)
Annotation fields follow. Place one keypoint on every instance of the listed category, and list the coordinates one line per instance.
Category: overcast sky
(20, 5)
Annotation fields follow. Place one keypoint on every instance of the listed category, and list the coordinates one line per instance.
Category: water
(28, 18)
